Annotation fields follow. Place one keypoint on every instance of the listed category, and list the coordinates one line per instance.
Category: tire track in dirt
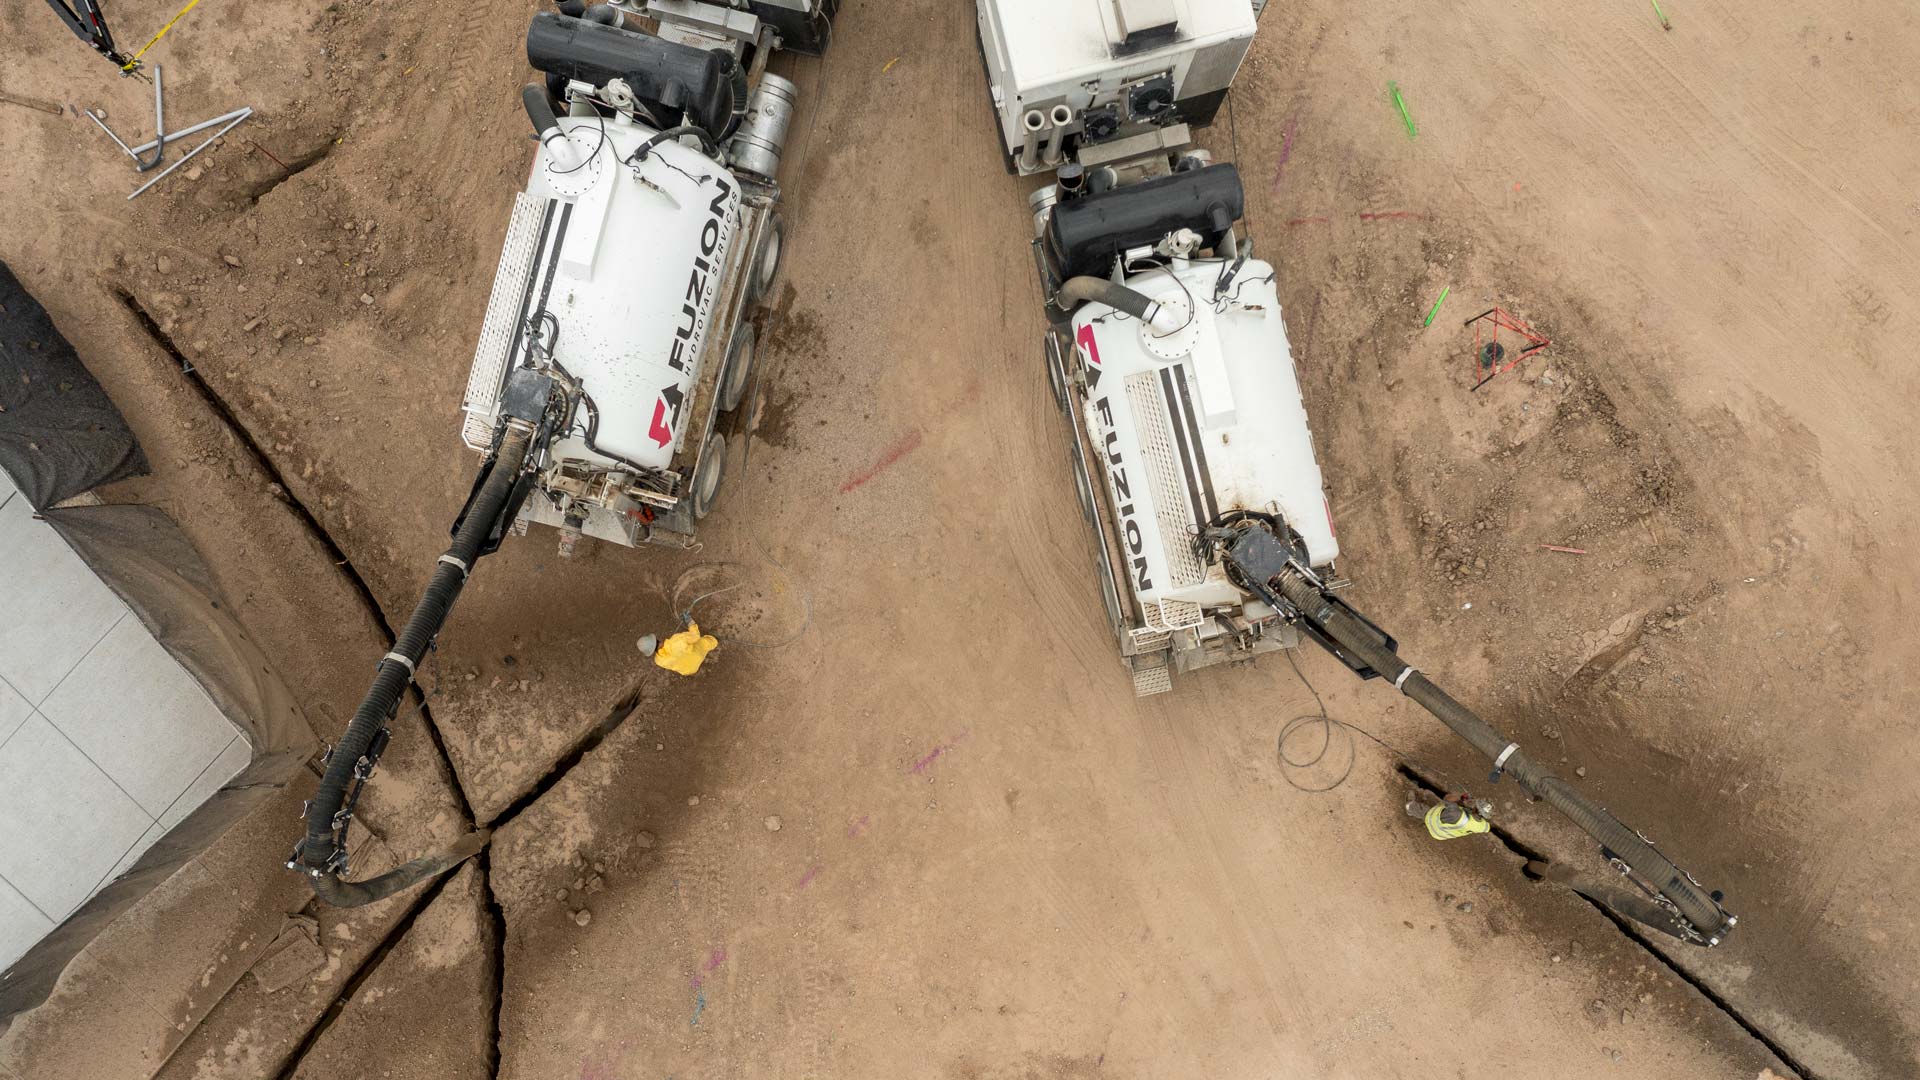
(1194, 819)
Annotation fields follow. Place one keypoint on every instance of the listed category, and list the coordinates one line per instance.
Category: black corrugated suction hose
(539, 109)
(390, 681)
(1087, 289)
(1693, 903)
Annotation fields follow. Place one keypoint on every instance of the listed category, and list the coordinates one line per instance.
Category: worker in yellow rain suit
(683, 652)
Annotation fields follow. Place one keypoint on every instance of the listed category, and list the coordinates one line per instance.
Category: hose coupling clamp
(402, 661)
(450, 560)
(1400, 680)
(1500, 763)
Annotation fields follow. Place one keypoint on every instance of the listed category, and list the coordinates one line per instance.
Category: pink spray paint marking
(933, 755)
(714, 959)
(906, 445)
(858, 825)
(1286, 151)
(1294, 223)
(806, 879)
(606, 1065)
(1394, 215)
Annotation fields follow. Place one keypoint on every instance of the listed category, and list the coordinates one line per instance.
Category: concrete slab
(21, 924)
(57, 609)
(224, 768)
(14, 711)
(147, 839)
(137, 714)
(68, 823)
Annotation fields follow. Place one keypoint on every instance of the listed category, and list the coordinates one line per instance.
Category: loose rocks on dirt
(582, 917)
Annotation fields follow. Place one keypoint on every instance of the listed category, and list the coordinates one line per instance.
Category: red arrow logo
(660, 432)
(1091, 346)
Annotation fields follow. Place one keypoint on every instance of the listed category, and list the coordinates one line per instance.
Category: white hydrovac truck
(618, 335)
(1167, 351)
(648, 235)
(1190, 418)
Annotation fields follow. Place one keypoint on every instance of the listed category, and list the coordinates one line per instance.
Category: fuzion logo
(701, 281)
(1131, 536)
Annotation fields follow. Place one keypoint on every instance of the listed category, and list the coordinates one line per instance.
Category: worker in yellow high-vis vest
(1448, 820)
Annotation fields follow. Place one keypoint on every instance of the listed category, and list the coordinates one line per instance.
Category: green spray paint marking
(1662, 14)
(1407, 117)
(1435, 310)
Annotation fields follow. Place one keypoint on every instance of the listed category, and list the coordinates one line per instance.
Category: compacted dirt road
(910, 821)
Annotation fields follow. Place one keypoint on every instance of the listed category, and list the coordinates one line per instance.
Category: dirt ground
(910, 821)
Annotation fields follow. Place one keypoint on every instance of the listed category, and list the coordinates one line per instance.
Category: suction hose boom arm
(534, 405)
(1262, 556)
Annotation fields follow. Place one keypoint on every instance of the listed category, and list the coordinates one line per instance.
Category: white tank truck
(1167, 351)
(1190, 418)
(648, 235)
(618, 336)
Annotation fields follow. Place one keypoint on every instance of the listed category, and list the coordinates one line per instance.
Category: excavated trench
(611, 722)
(426, 895)
(1632, 932)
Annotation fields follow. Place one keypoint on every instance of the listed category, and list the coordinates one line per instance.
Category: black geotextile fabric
(60, 435)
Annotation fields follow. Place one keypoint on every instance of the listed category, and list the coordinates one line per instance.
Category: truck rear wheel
(708, 474)
(733, 383)
(767, 258)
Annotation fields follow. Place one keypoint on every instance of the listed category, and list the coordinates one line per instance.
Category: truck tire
(1085, 491)
(739, 369)
(767, 258)
(708, 474)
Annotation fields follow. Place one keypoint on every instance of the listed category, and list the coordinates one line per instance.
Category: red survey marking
(1316, 220)
(858, 825)
(1393, 215)
(933, 755)
(717, 957)
(894, 453)
(269, 153)
(806, 879)
(1286, 151)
